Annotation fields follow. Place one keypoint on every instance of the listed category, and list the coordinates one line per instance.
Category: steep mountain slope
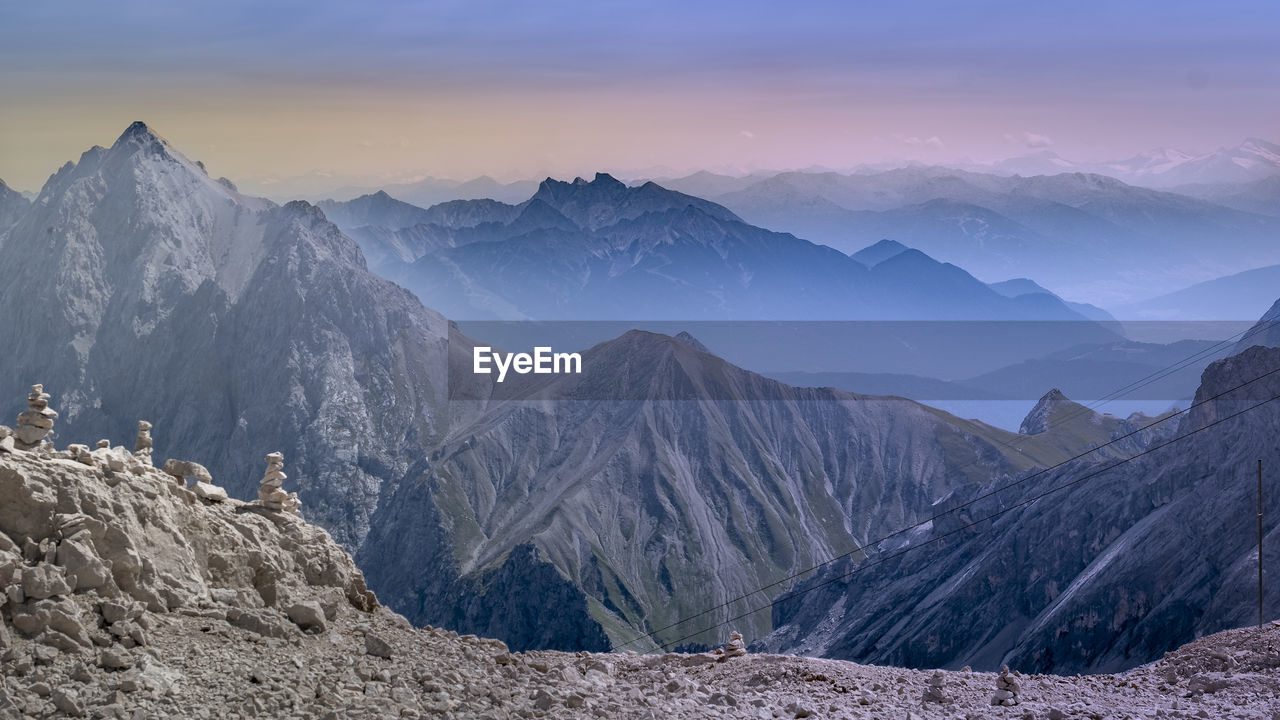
(1265, 332)
(662, 468)
(1120, 565)
(149, 276)
(12, 206)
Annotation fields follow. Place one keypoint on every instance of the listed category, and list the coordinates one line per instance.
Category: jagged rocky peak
(605, 200)
(1038, 420)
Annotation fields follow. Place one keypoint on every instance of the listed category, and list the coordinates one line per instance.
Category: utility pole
(1259, 543)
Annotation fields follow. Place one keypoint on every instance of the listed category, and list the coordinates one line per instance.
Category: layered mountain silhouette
(1085, 235)
(599, 250)
(1234, 297)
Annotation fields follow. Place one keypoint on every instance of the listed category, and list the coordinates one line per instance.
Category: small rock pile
(734, 648)
(36, 423)
(203, 487)
(272, 496)
(142, 445)
(935, 691)
(1007, 689)
(80, 453)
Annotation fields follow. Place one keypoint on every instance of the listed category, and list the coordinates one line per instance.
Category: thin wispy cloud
(933, 142)
(1031, 140)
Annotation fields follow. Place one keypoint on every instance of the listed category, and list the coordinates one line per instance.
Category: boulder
(210, 492)
(84, 569)
(377, 647)
(308, 615)
(185, 469)
(115, 659)
(265, 622)
(44, 581)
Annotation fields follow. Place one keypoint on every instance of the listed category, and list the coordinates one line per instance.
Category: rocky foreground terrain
(129, 595)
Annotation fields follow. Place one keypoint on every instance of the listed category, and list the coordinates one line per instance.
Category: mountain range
(1087, 236)
(1251, 160)
(566, 511)
(599, 250)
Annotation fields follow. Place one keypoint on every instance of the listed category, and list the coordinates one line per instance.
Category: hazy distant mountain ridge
(1086, 235)
(602, 250)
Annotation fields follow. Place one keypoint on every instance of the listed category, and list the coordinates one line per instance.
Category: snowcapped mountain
(1253, 159)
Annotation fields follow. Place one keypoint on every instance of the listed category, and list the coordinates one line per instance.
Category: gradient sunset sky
(523, 90)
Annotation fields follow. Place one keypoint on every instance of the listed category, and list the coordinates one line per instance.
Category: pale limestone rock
(270, 493)
(44, 581)
(308, 615)
(142, 444)
(36, 423)
(185, 469)
(734, 648)
(1007, 689)
(935, 691)
(81, 454)
(210, 492)
(377, 647)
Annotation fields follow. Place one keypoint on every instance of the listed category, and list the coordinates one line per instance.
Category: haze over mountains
(600, 250)
(1089, 237)
(659, 483)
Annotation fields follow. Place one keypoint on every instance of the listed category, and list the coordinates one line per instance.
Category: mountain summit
(605, 201)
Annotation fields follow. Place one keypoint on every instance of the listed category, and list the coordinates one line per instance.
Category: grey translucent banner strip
(945, 361)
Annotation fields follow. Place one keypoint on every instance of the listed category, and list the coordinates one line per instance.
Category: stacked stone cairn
(734, 648)
(272, 496)
(1007, 689)
(36, 423)
(935, 691)
(142, 445)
